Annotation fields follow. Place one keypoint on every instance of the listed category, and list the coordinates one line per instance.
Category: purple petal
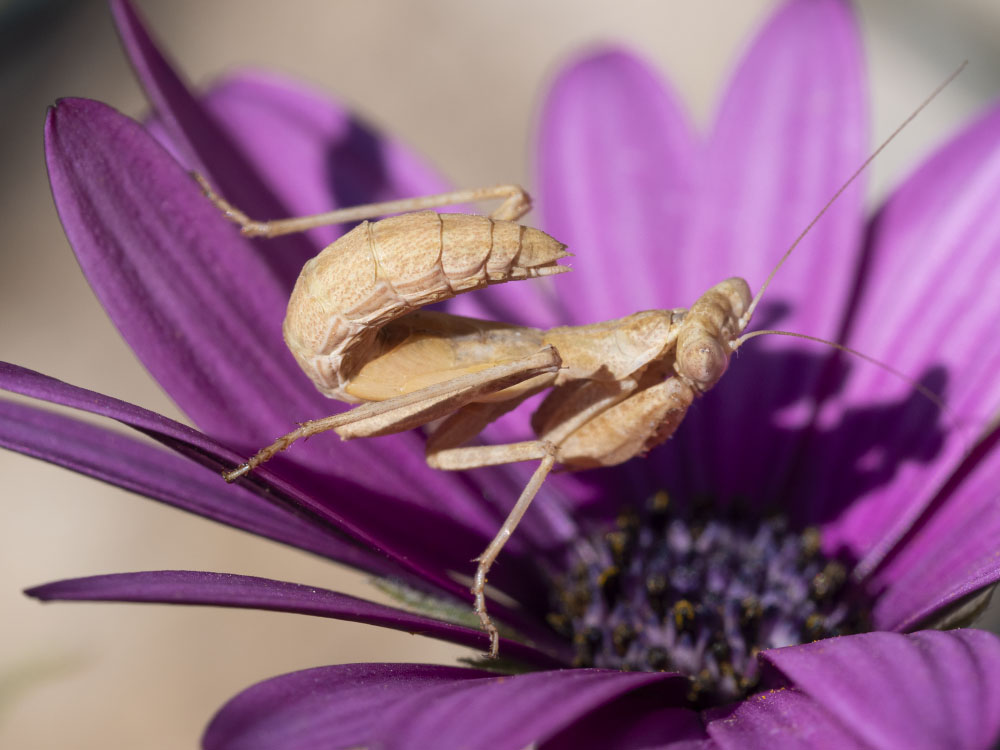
(949, 554)
(310, 151)
(201, 145)
(190, 297)
(785, 714)
(176, 436)
(249, 592)
(925, 690)
(513, 712)
(791, 129)
(326, 707)
(182, 285)
(325, 151)
(203, 449)
(637, 721)
(928, 309)
(616, 172)
(163, 476)
(273, 146)
(231, 139)
(259, 136)
(167, 270)
(616, 162)
(180, 437)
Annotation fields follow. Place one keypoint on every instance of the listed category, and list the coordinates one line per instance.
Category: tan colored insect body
(383, 270)
(617, 388)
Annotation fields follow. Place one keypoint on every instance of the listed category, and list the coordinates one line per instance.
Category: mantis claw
(233, 474)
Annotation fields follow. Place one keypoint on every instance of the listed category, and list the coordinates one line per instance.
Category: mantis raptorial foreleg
(516, 203)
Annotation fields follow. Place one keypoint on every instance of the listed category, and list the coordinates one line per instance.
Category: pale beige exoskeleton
(617, 388)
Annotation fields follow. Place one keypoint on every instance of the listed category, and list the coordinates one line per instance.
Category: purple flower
(809, 495)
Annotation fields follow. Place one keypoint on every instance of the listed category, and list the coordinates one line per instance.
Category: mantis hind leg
(489, 555)
(444, 451)
(516, 203)
(490, 455)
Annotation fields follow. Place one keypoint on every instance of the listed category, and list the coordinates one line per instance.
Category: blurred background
(102, 675)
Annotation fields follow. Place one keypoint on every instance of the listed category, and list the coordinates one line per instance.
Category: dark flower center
(701, 593)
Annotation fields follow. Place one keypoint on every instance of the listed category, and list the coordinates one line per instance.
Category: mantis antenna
(921, 389)
(745, 319)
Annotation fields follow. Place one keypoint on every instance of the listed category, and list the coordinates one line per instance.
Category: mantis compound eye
(702, 359)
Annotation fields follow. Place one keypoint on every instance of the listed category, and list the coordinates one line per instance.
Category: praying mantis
(616, 389)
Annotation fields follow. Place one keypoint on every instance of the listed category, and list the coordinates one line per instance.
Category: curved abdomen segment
(380, 271)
